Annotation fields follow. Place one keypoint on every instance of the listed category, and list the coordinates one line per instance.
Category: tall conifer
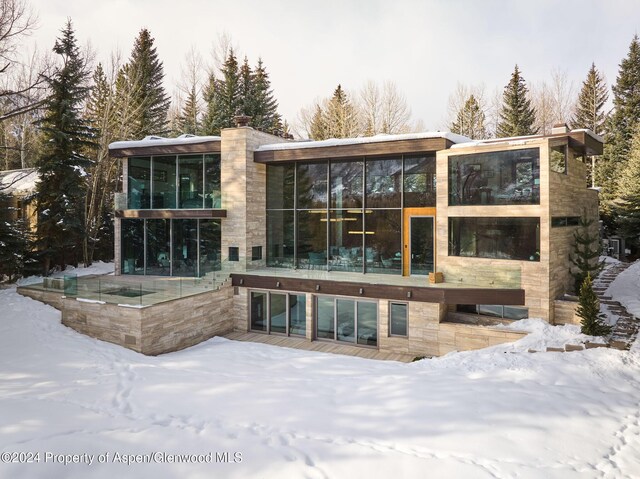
(517, 116)
(61, 166)
(470, 120)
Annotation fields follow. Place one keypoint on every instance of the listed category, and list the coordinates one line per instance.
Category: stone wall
(565, 312)
(244, 193)
(157, 329)
(466, 337)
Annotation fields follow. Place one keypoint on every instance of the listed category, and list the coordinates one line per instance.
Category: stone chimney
(241, 119)
(559, 128)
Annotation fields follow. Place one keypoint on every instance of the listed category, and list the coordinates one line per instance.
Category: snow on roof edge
(455, 138)
(521, 140)
(160, 141)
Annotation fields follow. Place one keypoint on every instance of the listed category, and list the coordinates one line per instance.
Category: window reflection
(346, 184)
(384, 183)
(502, 177)
(312, 185)
(420, 181)
(501, 238)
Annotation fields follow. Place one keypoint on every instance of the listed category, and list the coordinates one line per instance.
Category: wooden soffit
(380, 291)
(157, 150)
(168, 214)
(378, 148)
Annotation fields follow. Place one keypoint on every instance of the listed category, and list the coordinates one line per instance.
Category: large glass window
(384, 183)
(496, 178)
(311, 185)
(159, 247)
(280, 238)
(280, 186)
(132, 246)
(212, 196)
(164, 182)
(383, 241)
(190, 182)
(345, 233)
(210, 245)
(278, 313)
(171, 246)
(495, 310)
(348, 320)
(258, 311)
(139, 182)
(346, 184)
(185, 247)
(558, 156)
(298, 314)
(501, 238)
(312, 239)
(420, 181)
(325, 326)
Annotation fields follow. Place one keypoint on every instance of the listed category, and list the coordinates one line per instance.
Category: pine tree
(60, 191)
(627, 205)
(189, 120)
(620, 126)
(589, 111)
(211, 97)
(341, 117)
(470, 120)
(264, 109)
(586, 251)
(517, 116)
(144, 75)
(318, 126)
(589, 310)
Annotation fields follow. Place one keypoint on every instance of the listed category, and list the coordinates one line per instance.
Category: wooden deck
(318, 346)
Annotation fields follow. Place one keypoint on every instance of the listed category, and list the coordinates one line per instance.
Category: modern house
(334, 240)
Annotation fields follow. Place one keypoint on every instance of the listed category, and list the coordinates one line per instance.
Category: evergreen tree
(589, 310)
(212, 100)
(620, 126)
(144, 75)
(470, 120)
(627, 205)
(340, 116)
(589, 112)
(318, 126)
(586, 252)
(517, 116)
(264, 107)
(247, 92)
(60, 191)
(189, 120)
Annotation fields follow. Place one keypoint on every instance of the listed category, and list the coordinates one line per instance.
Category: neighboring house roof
(18, 181)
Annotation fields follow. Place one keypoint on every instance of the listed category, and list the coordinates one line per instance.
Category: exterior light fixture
(277, 284)
(361, 291)
(408, 294)
(317, 287)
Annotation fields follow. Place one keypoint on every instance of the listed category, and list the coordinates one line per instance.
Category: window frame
(406, 319)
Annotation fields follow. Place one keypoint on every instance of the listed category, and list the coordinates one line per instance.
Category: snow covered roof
(366, 139)
(521, 140)
(18, 181)
(161, 141)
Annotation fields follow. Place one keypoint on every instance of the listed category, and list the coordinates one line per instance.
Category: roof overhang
(124, 149)
(430, 294)
(378, 148)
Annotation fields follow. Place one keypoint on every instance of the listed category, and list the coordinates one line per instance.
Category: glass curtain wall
(164, 247)
(132, 246)
(344, 215)
(168, 182)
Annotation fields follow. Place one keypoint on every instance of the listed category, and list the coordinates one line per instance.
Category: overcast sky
(425, 46)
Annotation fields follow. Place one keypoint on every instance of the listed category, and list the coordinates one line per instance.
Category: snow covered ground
(495, 413)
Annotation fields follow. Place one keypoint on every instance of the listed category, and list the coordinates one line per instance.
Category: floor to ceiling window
(347, 320)
(278, 313)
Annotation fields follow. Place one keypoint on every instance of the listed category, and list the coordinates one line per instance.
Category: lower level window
(347, 320)
(398, 319)
(495, 310)
(281, 313)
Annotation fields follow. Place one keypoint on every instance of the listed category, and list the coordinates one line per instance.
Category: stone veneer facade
(180, 323)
